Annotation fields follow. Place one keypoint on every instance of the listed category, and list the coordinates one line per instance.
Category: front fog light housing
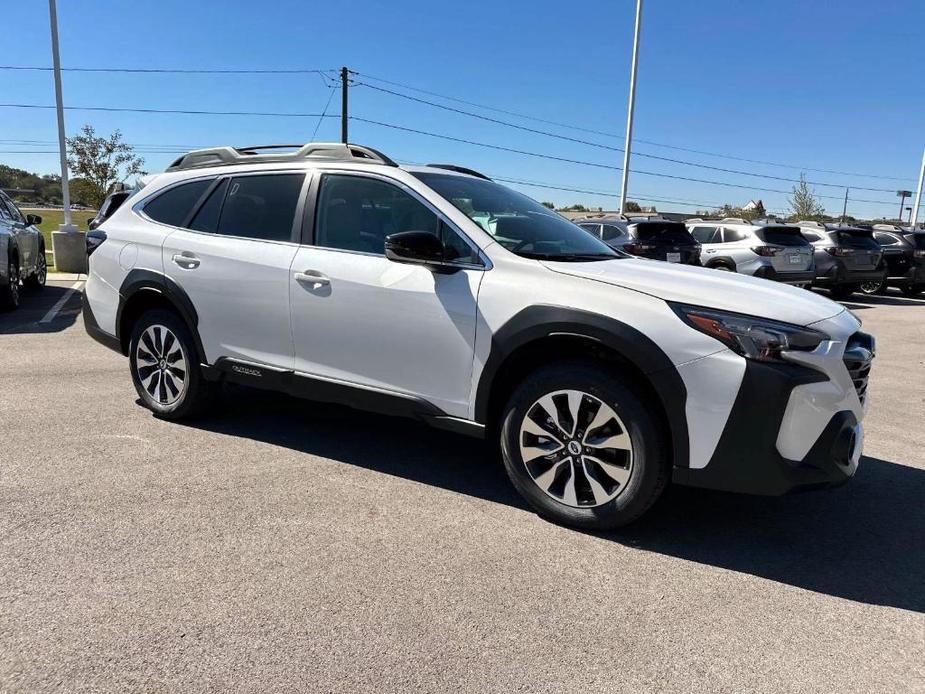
(752, 337)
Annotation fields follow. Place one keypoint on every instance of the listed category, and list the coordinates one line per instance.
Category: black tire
(36, 281)
(649, 471)
(722, 266)
(912, 290)
(9, 293)
(195, 393)
(843, 291)
(873, 288)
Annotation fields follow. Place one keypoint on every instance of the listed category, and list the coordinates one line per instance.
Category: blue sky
(823, 85)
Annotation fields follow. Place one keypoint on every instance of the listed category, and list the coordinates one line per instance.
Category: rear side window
(174, 205)
(885, 239)
(811, 236)
(593, 229)
(782, 236)
(206, 218)
(732, 235)
(663, 232)
(611, 232)
(261, 207)
(704, 234)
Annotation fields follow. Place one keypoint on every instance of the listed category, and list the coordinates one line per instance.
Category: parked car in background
(770, 251)
(112, 203)
(904, 255)
(656, 239)
(22, 253)
(846, 257)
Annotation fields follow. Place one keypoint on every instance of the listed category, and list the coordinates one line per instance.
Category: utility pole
(902, 194)
(918, 195)
(632, 104)
(844, 210)
(344, 80)
(67, 243)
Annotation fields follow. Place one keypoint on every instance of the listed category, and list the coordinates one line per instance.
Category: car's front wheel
(873, 287)
(843, 291)
(38, 278)
(165, 366)
(912, 289)
(583, 447)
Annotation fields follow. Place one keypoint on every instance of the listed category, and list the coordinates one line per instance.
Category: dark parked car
(846, 257)
(904, 253)
(657, 239)
(22, 253)
(112, 203)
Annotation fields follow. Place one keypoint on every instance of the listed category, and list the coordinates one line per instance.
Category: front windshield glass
(520, 224)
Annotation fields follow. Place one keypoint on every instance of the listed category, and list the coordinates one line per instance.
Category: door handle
(187, 262)
(313, 277)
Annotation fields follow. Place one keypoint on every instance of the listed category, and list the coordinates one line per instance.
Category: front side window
(261, 207)
(519, 224)
(611, 232)
(356, 213)
(174, 205)
(5, 213)
(593, 229)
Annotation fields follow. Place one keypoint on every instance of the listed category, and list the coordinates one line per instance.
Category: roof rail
(320, 151)
(733, 220)
(459, 169)
(810, 223)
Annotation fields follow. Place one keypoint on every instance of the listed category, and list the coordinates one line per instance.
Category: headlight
(752, 337)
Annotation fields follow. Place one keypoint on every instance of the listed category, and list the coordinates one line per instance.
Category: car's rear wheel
(165, 366)
(873, 287)
(38, 278)
(9, 294)
(582, 447)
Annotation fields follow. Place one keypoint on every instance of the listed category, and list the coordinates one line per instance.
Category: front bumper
(792, 425)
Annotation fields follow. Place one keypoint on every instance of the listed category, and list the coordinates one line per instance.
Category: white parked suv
(332, 273)
(770, 251)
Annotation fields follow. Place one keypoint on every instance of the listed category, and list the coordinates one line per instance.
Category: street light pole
(67, 243)
(629, 111)
(918, 194)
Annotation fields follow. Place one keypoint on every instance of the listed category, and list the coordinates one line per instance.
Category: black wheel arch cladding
(537, 323)
(139, 280)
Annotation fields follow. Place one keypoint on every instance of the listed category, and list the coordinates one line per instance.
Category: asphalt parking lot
(280, 545)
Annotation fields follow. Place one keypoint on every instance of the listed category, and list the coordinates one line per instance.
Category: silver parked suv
(771, 251)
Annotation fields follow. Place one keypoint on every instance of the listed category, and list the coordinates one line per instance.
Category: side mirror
(33, 219)
(416, 248)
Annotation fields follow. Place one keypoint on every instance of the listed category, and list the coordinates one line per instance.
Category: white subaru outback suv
(332, 273)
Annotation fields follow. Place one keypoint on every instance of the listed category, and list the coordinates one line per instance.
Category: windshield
(782, 236)
(520, 224)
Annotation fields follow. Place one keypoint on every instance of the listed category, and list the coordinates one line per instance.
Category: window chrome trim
(485, 263)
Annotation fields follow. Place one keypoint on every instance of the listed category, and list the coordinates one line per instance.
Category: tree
(632, 206)
(803, 203)
(550, 205)
(101, 162)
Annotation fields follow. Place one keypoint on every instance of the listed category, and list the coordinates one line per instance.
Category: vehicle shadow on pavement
(862, 541)
(35, 305)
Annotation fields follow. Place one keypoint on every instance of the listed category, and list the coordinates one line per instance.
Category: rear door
(232, 258)
(708, 236)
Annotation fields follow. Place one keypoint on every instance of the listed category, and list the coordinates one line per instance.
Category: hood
(701, 286)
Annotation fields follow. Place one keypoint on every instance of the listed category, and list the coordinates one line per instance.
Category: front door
(233, 262)
(360, 318)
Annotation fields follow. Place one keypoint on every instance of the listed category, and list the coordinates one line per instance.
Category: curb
(67, 277)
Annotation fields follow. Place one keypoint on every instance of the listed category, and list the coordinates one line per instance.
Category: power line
(110, 109)
(599, 165)
(611, 148)
(166, 71)
(616, 136)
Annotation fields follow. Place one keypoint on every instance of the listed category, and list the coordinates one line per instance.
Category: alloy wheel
(41, 272)
(576, 448)
(160, 363)
(871, 287)
(14, 284)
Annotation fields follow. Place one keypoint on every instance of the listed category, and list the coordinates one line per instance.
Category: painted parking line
(53, 311)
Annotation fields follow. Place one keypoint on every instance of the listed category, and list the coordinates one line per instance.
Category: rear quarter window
(174, 205)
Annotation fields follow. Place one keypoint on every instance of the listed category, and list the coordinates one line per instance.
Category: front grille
(859, 353)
